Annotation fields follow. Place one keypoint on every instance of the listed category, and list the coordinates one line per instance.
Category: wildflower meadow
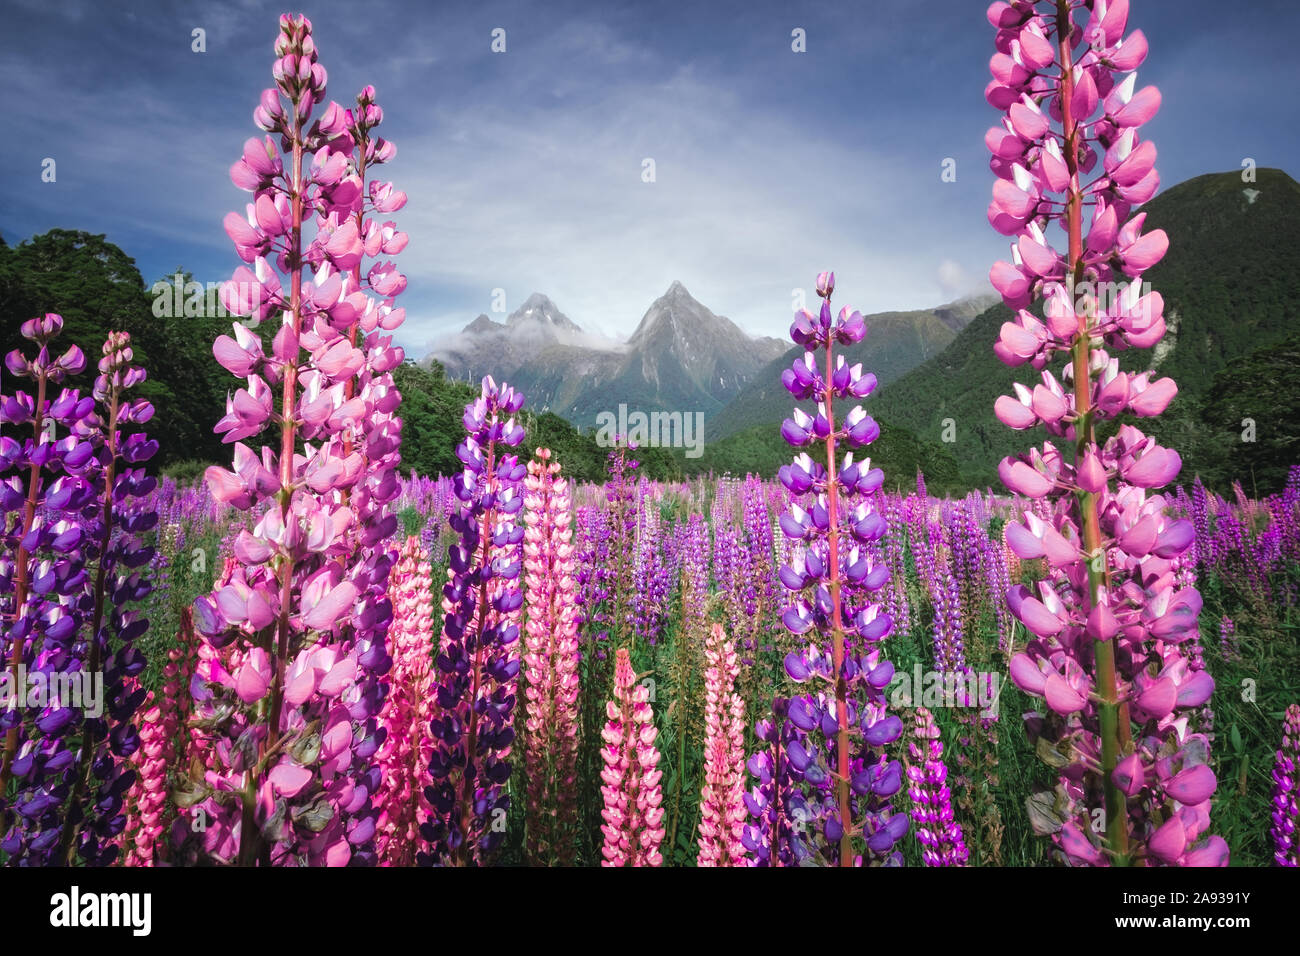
(317, 652)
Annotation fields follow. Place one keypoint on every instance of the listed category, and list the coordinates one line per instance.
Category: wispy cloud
(525, 169)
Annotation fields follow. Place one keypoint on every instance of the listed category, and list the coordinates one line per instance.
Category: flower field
(315, 657)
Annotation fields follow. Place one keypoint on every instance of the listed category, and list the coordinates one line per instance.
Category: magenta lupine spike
(630, 781)
(404, 756)
(1285, 830)
(550, 664)
(843, 725)
(1108, 623)
(940, 836)
(722, 798)
(304, 614)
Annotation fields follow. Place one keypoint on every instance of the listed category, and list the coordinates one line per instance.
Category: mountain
(502, 347)
(1231, 285)
(681, 357)
(896, 342)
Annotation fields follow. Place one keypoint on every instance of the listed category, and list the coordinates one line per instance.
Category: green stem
(21, 581)
(1113, 714)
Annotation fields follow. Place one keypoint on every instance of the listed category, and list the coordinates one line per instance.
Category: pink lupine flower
(633, 826)
(1108, 622)
(550, 663)
(296, 633)
(722, 798)
(148, 795)
(404, 756)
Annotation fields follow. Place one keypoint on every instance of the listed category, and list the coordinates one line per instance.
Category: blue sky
(524, 168)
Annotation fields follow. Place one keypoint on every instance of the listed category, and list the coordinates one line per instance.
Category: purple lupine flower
(997, 582)
(949, 642)
(71, 768)
(777, 831)
(940, 835)
(1286, 793)
(893, 552)
(1200, 513)
(478, 661)
(1228, 639)
(836, 754)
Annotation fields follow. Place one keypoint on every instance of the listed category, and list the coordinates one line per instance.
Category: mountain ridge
(681, 356)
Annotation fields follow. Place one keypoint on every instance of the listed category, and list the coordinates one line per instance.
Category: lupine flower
(633, 828)
(1108, 622)
(777, 831)
(161, 757)
(44, 582)
(550, 663)
(297, 632)
(404, 755)
(938, 833)
(722, 798)
(949, 645)
(68, 804)
(147, 801)
(478, 661)
(1286, 793)
(839, 730)
(1228, 638)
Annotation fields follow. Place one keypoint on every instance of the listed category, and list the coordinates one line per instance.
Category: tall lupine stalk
(478, 661)
(843, 726)
(623, 507)
(303, 615)
(404, 756)
(144, 827)
(95, 814)
(377, 437)
(1285, 830)
(550, 664)
(633, 814)
(1108, 621)
(43, 581)
(940, 836)
(163, 749)
(65, 502)
(722, 798)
